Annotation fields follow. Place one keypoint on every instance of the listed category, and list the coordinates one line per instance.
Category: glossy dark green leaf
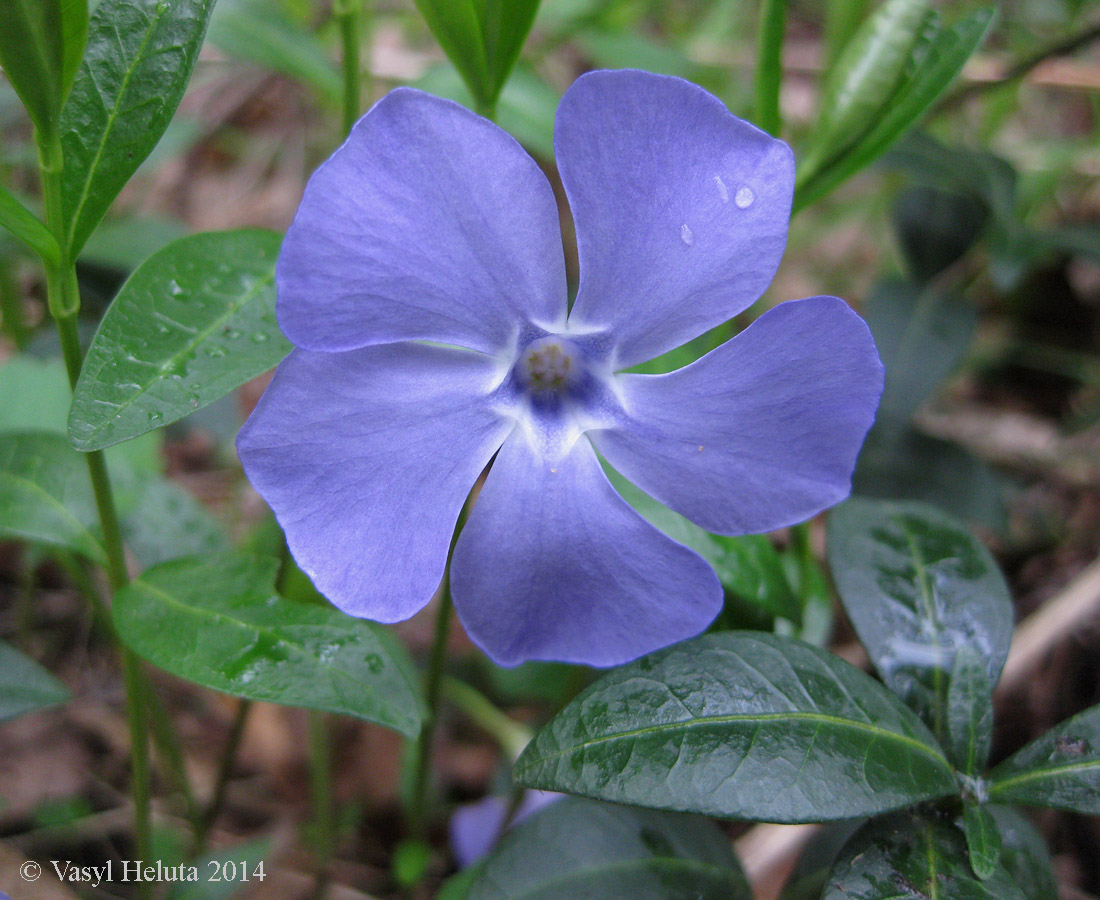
(41, 43)
(25, 686)
(938, 68)
(23, 224)
(969, 712)
(217, 621)
(1024, 854)
(922, 335)
(1060, 769)
(139, 59)
(483, 38)
(740, 725)
(918, 586)
(983, 840)
(193, 322)
(579, 849)
(907, 857)
(45, 494)
(749, 566)
(261, 32)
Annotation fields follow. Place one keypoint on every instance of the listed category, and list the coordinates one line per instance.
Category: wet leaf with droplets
(172, 341)
(218, 622)
(918, 586)
(1060, 769)
(740, 725)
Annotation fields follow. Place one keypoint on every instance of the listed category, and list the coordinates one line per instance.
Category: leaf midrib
(112, 115)
(800, 715)
(22, 481)
(197, 340)
(1037, 774)
(301, 649)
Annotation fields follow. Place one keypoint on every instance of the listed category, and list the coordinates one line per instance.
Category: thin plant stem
(225, 771)
(348, 13)
(63, 298)
(769, 64)
(511, 735)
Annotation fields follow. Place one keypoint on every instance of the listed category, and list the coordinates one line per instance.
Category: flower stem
(347, 13)
(225, 770)
(320, 777)
(512, 736)
(63, 298)
(769, 64)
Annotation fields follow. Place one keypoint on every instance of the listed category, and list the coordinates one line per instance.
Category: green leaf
(483, 38)
(41, 43)
(936, 71)
(983, 840)
(922, 335)
(577, 848)
(217, 621)
(45, 494)
(194, 321)
(1024, 854)
(749, 566)
(744, 726)
(163, 521)
(1060, 769)
(868, 72)
(23, 224)
(25, 686)
(260, 32)
(951, 478)
(969, 712)
(908, 857)
(125, 243)
(936, 227)
(138, 62)
(918, 586)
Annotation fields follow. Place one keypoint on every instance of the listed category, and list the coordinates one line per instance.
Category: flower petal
(681, 209)
(760, 433)
(429, 223)
(553, 564)
(366, 457)
(476, 827)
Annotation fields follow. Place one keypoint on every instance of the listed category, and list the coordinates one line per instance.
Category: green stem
(507, 732)
(348, 13)
(11, 307)
(63, 298)
(171, 755)
(769, 64)
(433, 691)
(225, 771)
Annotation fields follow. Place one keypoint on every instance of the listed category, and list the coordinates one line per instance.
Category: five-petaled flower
(423, 282)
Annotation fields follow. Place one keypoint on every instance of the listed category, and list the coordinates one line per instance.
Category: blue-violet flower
(431, 226)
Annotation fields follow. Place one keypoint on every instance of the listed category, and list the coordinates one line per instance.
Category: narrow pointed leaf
(969, 712)
(918, 586)
(740, 725)
(45, 494)
(483, 38)
(194, 321)
(940, 66)
(23, 224)
(907, 857)
(41, 42)
(577, 848)
(217, 621)
(1060, 769)
(25, 686)
(983, 840)
(137, 64)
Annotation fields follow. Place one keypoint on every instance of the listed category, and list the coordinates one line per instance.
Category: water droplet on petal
(686, 236)
(722, 191)
(744, 197)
